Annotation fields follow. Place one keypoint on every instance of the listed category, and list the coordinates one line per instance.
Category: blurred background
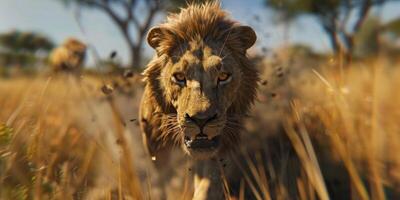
(325, 124)
(322, 27)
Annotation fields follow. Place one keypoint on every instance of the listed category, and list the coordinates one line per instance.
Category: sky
(58, 22)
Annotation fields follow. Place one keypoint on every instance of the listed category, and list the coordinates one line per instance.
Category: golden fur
(184, 96)
(196, 26)
(69, 56)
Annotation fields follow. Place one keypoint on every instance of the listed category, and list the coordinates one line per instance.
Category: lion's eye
(179, 77)
(223, 77)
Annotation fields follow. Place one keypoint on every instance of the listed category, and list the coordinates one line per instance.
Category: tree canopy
(22, 48)
(340, 19)
(393, 27)
(25, 42)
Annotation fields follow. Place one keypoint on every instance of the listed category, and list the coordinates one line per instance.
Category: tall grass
(316, 133)
(342, 131)
(56, 128)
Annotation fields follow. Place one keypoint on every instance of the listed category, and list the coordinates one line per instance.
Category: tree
(366, 41)
(23, 47)
(25, 42)
(333, 16)
(132, 18)
(127, 21)
(393, 27)
(390, 38)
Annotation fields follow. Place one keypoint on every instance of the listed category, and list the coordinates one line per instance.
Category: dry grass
(56, 126)
(342, 126)
(317, 133)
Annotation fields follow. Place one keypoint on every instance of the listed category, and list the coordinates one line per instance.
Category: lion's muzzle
(202, 133)
(206, 125)
(200, 120)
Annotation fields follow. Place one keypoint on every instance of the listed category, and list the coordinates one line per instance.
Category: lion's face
(203, 79)
(202, 84)
(77, 51)
(69, 56)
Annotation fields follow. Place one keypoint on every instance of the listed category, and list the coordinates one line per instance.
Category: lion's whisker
(226, 39)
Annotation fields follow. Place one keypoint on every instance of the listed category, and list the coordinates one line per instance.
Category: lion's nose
(201, 120)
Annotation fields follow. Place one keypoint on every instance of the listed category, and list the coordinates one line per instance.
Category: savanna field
(315, 133)
(325, 124)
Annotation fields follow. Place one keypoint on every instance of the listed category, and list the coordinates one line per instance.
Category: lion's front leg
(208, 180)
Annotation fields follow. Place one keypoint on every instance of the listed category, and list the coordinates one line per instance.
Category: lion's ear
(154, 37)
(160, 35)
(245, 34)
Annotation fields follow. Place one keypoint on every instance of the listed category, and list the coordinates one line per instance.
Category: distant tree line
(23, 48)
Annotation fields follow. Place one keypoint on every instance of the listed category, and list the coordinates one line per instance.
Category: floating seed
(128, 73)
(264, 82)
(118, 141)
(107, 89)
(113, 54)
(115, 84)
(264, 49)
(256, 18)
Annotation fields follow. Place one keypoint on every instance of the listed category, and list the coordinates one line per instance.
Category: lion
(68, 57)
(199, 86)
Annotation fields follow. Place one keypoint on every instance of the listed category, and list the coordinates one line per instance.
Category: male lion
(69, 56)
(199, 86)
